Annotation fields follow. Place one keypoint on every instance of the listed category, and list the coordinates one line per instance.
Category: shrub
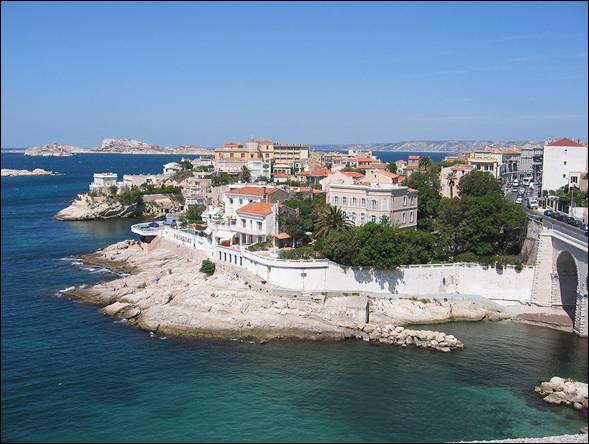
(306, 252)
(519, 267)
(207, 267)
(467, 256)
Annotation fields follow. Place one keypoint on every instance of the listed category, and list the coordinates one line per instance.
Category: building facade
(371, 203)
(561, 157)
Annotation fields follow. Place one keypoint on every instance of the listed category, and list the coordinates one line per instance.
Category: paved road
(548, 222)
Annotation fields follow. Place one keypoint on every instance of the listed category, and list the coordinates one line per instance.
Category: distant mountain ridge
(450, 146)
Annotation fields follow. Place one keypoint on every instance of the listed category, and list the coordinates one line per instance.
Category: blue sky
(205, 73)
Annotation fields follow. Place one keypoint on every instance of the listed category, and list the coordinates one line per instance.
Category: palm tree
(332, 218)
(425, 163)
(452, 182)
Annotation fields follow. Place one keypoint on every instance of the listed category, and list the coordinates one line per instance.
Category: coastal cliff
(90, 208)
(36, 172)
(165, 293)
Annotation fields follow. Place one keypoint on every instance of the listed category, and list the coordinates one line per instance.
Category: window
(363, 203)
(250, 224)
(231, 200)
(362, 218)
(373, 218)
(242, 223)
(374, 204)
(403, 217)
(404, 201)
(344, 200)
(240, 201)
(564, 175)
(411, 217)
(259, 226)
(574, 179)
(565, 162)
(354, 202)
(335, 200)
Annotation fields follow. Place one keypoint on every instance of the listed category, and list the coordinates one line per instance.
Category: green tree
(245, 175)
(186, 164)
(428, 185)
(478, 183)
(392, 167)
(332, 218)
(425, 163)
(193, 214)
(452, 179)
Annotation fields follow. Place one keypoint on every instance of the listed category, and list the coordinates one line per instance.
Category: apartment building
(364, 203)
(450, 178)
(561, 157)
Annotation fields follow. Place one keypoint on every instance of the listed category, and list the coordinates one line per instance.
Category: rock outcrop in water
(90, 208)
(35, 172)
(389, 334)
(559, 391)
(55, 149)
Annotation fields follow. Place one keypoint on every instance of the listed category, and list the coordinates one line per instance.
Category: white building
(561, 157)
(255, 221)
(136, 180)
(102, 182)
(171, 167)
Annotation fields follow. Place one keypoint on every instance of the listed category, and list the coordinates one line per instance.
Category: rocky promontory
(132, 146)
(36, 172)
(88, 208)
(165, 293)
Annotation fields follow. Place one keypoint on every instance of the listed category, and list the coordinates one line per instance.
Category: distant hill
(449, 146)
(55, 149)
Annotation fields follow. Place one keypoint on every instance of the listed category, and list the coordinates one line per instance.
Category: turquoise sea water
(71, 374)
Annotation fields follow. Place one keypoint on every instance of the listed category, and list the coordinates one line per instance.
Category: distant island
(120, 146)
(132, 146)
(36, 172)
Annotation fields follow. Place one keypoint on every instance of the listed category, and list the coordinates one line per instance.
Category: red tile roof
(413, 190)
(257, 208)
(281, 175)
(565, 142)
(282, 236)
(401, 179)
(253, 191)
(462, 168)
(374, 166)
(232, 144)
(264, 141)
(353, 174)
(414, 157)
(320, 172)
(388, 173)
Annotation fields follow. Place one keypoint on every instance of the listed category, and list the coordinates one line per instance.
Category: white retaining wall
(506, 286)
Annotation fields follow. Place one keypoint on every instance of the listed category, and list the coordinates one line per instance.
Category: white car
(519, 200)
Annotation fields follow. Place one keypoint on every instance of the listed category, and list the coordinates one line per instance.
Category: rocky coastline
(36, 172)
(561, 391)
(163, 292)
(90, 208)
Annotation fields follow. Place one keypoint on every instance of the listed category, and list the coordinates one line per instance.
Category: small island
(36, 172)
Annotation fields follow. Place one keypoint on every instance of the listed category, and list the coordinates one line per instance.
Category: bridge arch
(568, 283)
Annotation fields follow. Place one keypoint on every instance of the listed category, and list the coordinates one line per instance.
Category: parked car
(515, 182)
(519, 200)
(548, 213)
(559, 216)
(532, 203)
(577, 223)
(522, 190)
(568, 220)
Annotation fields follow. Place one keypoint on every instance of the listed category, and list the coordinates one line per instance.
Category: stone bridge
(560, 276)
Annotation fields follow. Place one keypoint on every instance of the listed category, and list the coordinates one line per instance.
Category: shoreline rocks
(389, 334)
(90, 208)
(567, 392)
(36, 172)
(165, 293)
